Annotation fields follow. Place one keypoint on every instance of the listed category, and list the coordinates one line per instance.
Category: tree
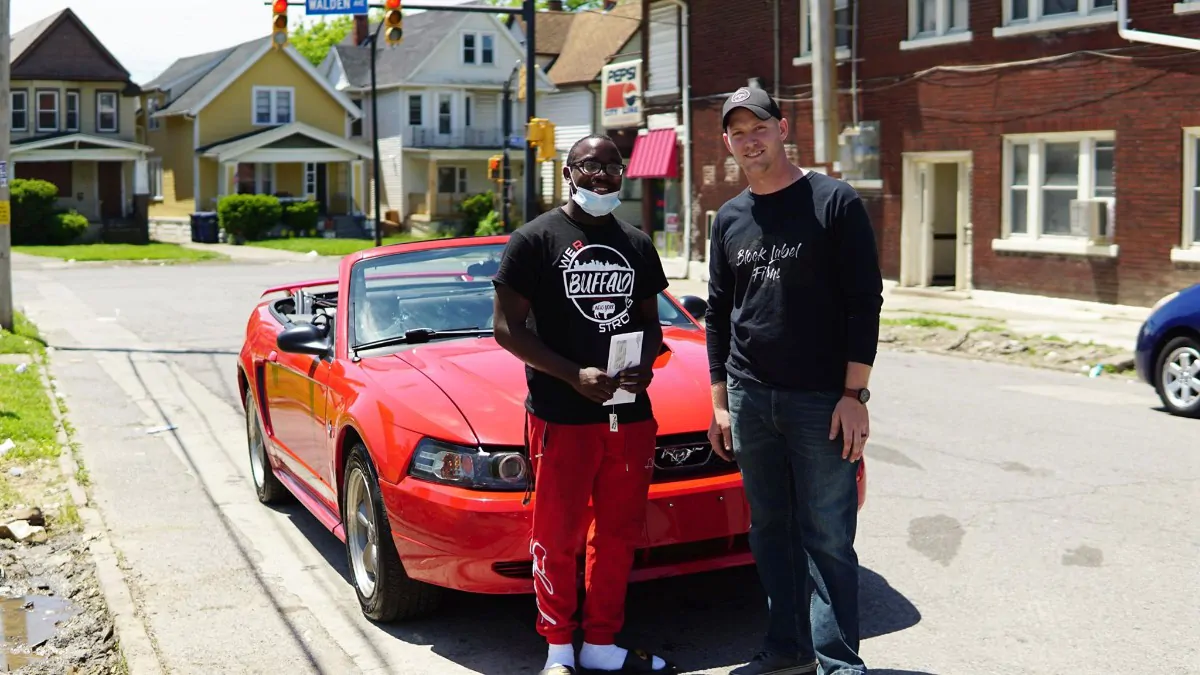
(315, 40)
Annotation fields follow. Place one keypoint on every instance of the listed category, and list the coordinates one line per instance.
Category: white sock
(608, 657)
(561, 655)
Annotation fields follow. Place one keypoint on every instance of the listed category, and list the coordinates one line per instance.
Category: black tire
(1169, 353)
(268, 489)
(394, 596)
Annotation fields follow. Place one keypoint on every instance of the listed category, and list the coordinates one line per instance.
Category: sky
(146, 36)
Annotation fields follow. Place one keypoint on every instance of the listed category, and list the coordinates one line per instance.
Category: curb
(133, 642)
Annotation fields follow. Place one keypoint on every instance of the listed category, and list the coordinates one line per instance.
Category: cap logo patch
(740, 95)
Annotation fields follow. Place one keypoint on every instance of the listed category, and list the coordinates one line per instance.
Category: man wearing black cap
(795, 292)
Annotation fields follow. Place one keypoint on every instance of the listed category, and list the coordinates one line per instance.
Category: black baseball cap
(757, 101)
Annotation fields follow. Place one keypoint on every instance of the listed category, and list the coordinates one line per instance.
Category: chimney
(360, 28)
(554, 5)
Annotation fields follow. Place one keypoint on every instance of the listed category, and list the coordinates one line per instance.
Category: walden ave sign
(337, 7)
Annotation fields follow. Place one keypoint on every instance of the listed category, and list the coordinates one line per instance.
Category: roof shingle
(594, 37)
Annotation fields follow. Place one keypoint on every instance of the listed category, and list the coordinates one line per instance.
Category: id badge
(612, 422)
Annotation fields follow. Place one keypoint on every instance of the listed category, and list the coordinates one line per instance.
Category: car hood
(487, 384)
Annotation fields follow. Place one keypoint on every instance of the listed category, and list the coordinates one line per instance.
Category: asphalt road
(1017, 520)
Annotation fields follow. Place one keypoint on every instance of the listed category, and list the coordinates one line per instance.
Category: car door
(295, 399)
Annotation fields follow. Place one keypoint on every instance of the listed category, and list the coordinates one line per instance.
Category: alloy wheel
(1181, 376)
(362, 533)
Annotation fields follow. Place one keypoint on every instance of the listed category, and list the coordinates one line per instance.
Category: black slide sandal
(637, 661)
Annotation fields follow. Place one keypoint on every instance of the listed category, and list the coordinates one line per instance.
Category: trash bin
(205, 228)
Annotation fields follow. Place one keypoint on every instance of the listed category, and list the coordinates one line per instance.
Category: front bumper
(478, 542)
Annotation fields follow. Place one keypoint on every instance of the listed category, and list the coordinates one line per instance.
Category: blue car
(1168, 351)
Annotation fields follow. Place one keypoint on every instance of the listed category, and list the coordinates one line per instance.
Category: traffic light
(494, 166)
(393, 22)
(540, 135)
(279, 24)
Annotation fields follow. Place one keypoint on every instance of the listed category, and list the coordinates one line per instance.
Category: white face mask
(593, 203)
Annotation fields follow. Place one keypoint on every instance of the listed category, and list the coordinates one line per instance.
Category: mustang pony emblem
(679, 455)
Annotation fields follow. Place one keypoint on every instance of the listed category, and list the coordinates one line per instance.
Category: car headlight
(1164, 300)
(442, 462)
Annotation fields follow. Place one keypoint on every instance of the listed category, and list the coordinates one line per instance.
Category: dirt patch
(48, 586)
(992, 341)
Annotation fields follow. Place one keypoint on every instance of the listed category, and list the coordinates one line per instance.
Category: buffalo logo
(599, 280)
(740, 95)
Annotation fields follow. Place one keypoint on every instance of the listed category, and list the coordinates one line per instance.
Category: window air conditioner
(1093, 219)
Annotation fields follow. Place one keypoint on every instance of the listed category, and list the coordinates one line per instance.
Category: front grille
(684, 456)
(671, 554)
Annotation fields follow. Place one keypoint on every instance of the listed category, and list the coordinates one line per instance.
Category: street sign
(320, 7)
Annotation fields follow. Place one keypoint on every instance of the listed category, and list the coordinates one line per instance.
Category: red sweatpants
(574, 464)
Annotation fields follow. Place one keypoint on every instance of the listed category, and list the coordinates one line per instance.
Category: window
(931, 19)
(356, 125)
(106, 111)
(274, 105)
(1025, 16)
(255, 179)
(468, 103)
(452, 179)
(1189, 250)
(47, 111)
(445, 121)
(416, 104)
(20, 111)
(154, 176)
(152, 122)
(72, 111)
(842, 19)
(1053, 185)
(479, 48)
(310, 179)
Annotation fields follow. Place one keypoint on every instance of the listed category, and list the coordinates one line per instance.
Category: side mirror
(304, 338)
(695, 306)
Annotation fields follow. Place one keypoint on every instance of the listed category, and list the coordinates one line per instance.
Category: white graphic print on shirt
(599, 281)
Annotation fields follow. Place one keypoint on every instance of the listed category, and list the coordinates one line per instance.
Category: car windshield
(440, 289)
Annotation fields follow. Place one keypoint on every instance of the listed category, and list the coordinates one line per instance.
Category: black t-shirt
(795, 287)
(584, 283)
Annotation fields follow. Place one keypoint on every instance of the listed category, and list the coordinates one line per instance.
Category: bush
(68, 226)
(249, 217)
(477, 207)
(491, 224)
(33, 211)
(300, 218)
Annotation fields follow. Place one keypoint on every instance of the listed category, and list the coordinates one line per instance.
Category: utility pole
(375, 163)
(529, 12)
(506, 166)
(6, 291)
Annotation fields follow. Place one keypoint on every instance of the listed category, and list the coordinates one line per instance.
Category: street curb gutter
(132, 640)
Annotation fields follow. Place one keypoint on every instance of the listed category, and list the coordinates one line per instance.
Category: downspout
(1176, 41)
(776, 18)
(685, 89)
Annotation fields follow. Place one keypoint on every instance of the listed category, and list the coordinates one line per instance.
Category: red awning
(654, 155)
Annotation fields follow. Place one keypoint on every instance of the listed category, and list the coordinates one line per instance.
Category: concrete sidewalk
(1074, 320)
(246, 253)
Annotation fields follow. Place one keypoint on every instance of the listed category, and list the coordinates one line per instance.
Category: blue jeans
(803, 517)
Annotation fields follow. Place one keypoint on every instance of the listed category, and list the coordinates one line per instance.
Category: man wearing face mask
(569, 281)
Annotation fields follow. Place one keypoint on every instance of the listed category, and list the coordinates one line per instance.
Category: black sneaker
(767, 663)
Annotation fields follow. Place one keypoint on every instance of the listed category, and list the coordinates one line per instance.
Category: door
(109, 176)
(926, 191)
(323, 187)
(295, 386)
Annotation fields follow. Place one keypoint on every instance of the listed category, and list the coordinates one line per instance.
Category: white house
(440, 108)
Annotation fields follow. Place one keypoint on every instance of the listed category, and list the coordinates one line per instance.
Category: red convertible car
(381, 401)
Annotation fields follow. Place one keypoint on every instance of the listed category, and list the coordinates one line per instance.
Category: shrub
(68, 226)
(300, 218)
(476, 207)
(249, 217)
(491, 224)
(33, 211)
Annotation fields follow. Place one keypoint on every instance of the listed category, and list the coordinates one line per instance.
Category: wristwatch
(861, 395)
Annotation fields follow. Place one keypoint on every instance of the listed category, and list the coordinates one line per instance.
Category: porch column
(225, 184)
(431, 190)
(358, 191)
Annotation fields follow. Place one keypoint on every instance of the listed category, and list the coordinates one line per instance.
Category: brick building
(1039, 153)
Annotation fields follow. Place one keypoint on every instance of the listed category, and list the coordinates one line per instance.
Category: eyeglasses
(592, 167)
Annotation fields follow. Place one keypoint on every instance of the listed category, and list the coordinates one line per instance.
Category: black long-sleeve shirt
(795, 288)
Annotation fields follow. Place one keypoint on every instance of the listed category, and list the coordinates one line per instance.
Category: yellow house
(250, 119)
(71, 112)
